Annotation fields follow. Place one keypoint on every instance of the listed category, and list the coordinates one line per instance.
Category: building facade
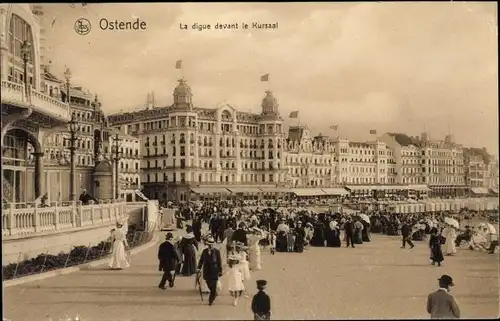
(185, 146)
(29, 115)
(481, 171)
(125, 149)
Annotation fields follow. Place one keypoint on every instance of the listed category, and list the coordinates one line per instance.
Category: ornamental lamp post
(67, 76)
(25, 54)
(117, 157)
(73, 127)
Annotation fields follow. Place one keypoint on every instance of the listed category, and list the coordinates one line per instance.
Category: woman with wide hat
(189, 246)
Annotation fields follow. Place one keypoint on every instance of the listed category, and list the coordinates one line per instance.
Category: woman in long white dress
(449, 245)
(254, 250)
(119, 258)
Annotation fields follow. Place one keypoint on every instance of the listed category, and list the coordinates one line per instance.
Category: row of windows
(210, 177)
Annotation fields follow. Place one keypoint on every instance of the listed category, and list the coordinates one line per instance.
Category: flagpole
(269, 83)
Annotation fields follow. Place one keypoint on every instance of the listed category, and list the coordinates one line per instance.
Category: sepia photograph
(249, 161)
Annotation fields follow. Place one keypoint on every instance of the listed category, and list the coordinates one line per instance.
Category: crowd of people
(242, 231)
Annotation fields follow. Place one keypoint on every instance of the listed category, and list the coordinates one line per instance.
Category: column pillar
(39, 174)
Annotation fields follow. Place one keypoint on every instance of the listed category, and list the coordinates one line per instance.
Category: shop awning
(420, 188)
(209, 190)
(358, 188)
(494, 190)
(335, 191)
(244, 190)
(479, 190)
(275, 190)
(308, 192)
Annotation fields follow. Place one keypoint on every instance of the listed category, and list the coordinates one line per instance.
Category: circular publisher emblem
(82, 26)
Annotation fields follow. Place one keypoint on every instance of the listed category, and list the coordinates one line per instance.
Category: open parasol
(365, 218)
(453, 222)
(487, 227)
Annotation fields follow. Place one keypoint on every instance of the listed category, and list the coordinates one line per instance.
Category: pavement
(375, 280)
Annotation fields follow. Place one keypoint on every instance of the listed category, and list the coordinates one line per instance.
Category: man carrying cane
(169, 259)
(210, 261)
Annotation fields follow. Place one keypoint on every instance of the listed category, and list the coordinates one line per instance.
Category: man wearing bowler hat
(210, 261)
(169, 258)
(441, 304)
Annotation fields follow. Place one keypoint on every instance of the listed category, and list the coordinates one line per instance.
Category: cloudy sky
(398, 67)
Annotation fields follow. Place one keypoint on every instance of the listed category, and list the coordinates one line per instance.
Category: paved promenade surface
(374, 280)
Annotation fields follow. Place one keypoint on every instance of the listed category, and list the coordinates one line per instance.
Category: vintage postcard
(238, 161)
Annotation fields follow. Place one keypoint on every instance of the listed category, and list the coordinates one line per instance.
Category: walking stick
(198, 284)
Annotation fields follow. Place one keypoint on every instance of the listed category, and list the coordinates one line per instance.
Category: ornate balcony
(14, 94)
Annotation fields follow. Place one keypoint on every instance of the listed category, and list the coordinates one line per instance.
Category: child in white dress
(243, 263)
(234, 277)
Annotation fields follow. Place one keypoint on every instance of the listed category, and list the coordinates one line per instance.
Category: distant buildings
(190, 150)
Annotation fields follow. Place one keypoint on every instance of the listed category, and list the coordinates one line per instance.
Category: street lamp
(73, 127)
(25, 54)
(67, 76)
(117, 157)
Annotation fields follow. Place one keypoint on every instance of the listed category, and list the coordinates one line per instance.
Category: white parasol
(488, 227)
(429, 222)
(451, 221)
(365, 218)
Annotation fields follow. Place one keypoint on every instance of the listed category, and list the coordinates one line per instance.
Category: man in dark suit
(349, 232)
(406, 233)
(210, 261)
(169, 259)
(441, 304)
(240, 235)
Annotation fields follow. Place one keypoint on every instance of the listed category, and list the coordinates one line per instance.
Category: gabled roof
(51, 77)
(478, 151)
(403, 139)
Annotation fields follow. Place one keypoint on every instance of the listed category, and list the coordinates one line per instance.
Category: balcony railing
(26, 221)
(14, 93)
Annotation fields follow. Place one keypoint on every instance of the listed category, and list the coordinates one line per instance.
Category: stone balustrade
(14, 93)
(19, 222)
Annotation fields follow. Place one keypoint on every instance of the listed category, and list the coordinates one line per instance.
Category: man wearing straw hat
(210, 261)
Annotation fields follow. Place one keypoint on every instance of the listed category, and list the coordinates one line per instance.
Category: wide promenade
(373, 280)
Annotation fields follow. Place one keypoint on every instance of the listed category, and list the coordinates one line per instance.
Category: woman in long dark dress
(333, 235)
(366, 232)
(318, 238)
(300, 235)
(189, 247)
(435, 247)
(330, 234)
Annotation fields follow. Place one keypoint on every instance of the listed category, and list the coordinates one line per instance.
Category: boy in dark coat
(261, 302)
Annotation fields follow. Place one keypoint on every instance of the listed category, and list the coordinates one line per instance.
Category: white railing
(26, 221)
(14, 93)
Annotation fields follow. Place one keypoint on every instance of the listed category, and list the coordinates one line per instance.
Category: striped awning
(335, 191)
(210, 190)
(479, 190)
(244, 190)
(420, 188)
(308, 192)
